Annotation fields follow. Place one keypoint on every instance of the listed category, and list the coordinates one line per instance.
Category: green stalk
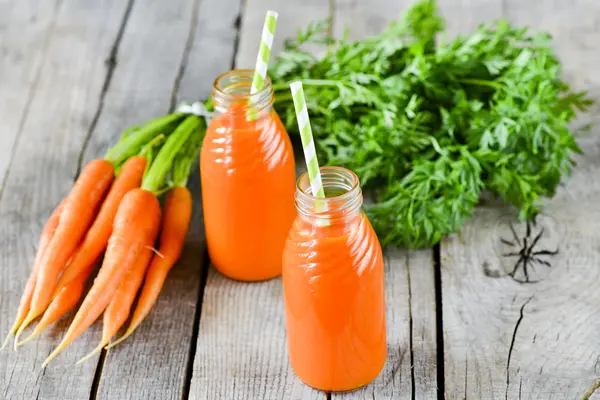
(133, 141)
(481, 82)
(163, 163)
(149, 151)
(182, 166)
(306, 82)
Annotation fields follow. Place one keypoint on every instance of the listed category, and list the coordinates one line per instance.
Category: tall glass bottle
(248, 180)
(333, 280)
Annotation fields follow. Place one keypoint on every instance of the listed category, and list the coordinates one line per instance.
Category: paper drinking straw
(262, 60)
(264, 52)
(308, 143)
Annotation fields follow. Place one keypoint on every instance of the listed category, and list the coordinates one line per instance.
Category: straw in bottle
(264, 54)
(308, 143)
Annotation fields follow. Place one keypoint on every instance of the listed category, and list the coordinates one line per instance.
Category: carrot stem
(155, 179)
(132, 142)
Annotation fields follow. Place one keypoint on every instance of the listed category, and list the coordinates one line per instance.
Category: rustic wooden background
(75, 73)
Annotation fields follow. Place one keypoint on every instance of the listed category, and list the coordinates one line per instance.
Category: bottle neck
(231, 95)
(343, 198)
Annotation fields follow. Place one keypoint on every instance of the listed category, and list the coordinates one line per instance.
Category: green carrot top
(137, 137)
(173, 163)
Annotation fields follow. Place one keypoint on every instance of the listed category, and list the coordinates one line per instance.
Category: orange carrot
(71, 283)
(117, 311)
(175, 224)
(45, 238)
(64, 301)
(76, 217)
(97, 237)
(135, 229)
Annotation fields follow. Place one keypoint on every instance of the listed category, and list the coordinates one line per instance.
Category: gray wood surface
(464, 16)
(75, 73)
(21, 66)
(293, 15)
(410, 369)
(508, 340)
(149, 75)
(61, 106)
(365, 17)
(242, 352)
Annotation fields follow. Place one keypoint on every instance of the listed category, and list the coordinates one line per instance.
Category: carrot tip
(119, 340)
(5, 343)
(30, 317)
(56, 351)
(32, 336)
(24, 325)
(95, 351)
(12, 331)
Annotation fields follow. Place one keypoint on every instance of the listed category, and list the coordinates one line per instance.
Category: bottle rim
(234, 87)
(332, 177)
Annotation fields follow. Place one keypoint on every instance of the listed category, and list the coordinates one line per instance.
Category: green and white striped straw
(308, 143)
(264, 52)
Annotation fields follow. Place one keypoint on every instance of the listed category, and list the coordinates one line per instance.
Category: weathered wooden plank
(505, 339)
(153, 71)
(25, 28)
(370, 17)
(464, 16)
(410, 370)
(62, 104)
(242, 352)
(410, 289)
(364, 18)
(153, 362)
(292, 16)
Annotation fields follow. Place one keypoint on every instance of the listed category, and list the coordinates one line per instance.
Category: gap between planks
(111, 65)
(439, 322)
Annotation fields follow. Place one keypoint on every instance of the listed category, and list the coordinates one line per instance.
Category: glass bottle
(247, 171)
(333, 280)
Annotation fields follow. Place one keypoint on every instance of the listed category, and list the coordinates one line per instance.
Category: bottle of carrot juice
(248, 178)
(333, 280)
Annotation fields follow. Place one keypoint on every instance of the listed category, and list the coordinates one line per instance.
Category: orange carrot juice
(248, 176)
(333, 283)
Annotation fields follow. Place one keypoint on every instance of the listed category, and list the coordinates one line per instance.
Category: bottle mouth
(343, 194)
(233, 88)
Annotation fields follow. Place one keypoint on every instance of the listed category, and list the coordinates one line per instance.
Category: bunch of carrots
(113, 210)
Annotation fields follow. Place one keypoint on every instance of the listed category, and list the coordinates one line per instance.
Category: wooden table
(75, 73)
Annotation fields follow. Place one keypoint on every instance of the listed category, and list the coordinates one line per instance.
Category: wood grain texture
(242, 351)
(364, 18)
(293, 15)
(61, 105)
(25, 27)
(504, 339)
(410, 370)
(155, 72)
(464, 16)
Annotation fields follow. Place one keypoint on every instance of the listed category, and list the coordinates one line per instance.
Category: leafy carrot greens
(428, 126)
